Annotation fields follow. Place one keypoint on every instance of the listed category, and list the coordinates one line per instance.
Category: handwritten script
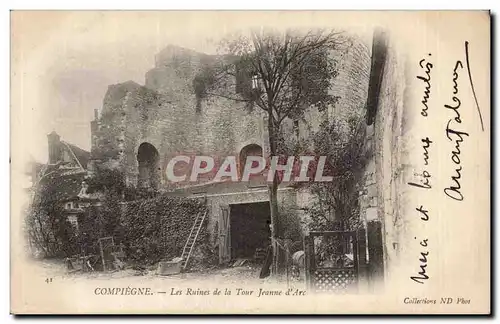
(424, 178)
(455, 134)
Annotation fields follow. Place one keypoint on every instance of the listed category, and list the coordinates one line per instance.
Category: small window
(296, 129)
(73, 220)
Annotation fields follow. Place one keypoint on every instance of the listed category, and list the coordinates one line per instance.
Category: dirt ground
(247, 274)
(190, 292)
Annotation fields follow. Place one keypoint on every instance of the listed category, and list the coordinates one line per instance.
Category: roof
(222, 187)
(65, 185)
(81, 155)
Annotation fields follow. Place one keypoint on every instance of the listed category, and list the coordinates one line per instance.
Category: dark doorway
(249, 229)
(149, 166)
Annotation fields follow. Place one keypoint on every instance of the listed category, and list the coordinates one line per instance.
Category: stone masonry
(166, 114)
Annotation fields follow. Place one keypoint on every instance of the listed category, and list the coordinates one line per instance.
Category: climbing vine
(336, 205)
(157, 229)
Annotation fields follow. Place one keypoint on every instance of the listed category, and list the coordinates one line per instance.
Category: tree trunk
(273, 199)
(273, 196)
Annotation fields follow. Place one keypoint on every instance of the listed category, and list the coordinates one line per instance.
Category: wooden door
(224, 235)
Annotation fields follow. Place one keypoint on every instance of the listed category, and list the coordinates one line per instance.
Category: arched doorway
(250, 150)
(149, 166)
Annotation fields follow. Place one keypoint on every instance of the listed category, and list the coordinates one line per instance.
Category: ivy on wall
(157, 229)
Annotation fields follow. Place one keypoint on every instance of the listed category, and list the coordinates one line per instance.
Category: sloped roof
(66, 185)
(81, 155)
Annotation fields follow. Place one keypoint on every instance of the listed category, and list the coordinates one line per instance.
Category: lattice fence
(334, 281)
(332, 262)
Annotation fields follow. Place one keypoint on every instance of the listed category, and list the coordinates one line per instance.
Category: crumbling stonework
(168, 114)
(163, 113)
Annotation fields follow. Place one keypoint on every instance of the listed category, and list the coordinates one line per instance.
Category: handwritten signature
(454, 191)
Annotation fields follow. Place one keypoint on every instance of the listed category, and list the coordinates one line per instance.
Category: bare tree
(282, 73)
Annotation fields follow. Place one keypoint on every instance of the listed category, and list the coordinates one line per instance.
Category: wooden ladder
(193, 236)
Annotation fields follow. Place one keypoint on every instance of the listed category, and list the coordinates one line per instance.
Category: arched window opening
(149, 166)
(250, 150)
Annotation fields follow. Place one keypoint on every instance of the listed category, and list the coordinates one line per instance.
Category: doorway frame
(224, 235)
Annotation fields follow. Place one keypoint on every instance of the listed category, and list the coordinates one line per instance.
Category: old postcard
(277, 162)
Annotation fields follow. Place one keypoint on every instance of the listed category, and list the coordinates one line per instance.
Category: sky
(67, 61)
(63, 62)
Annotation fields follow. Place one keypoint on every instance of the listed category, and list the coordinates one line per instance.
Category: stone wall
(225, 194)
(167, 114)
(383, 196)
(164, 114)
